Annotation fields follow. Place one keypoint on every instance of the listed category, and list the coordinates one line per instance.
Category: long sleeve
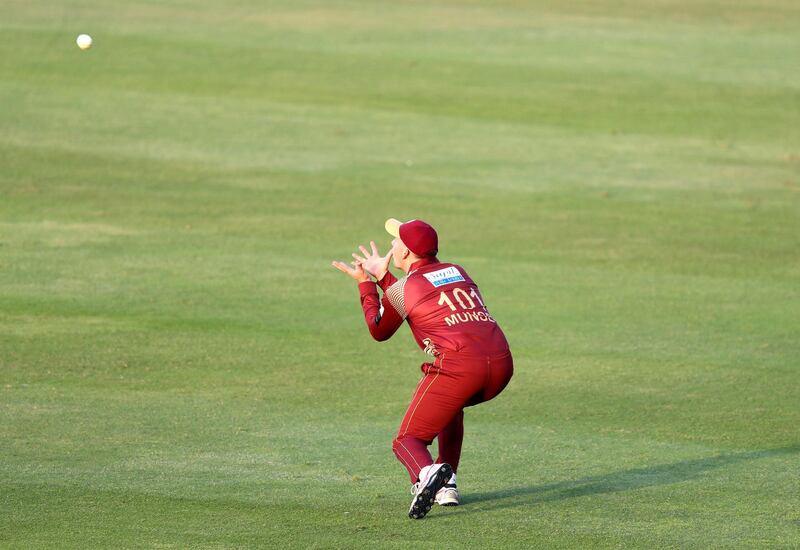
(387, 281)
(382, 318)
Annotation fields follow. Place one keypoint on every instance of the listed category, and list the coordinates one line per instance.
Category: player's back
(446, 311)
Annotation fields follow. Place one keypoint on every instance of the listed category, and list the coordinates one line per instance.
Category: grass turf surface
(181, 367)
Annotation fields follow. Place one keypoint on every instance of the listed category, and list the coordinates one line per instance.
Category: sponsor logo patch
(444, 276)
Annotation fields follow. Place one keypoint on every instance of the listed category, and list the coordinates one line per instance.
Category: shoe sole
(423, 502)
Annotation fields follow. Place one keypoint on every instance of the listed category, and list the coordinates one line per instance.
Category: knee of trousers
(397, 443)
(400, 442)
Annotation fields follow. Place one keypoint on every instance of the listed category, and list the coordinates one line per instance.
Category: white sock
(452, 479)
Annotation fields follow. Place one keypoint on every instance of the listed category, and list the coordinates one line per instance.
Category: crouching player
(471, 362)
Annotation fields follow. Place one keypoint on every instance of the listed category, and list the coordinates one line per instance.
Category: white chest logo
(444, 276)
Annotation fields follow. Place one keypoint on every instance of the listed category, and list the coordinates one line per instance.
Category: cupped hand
(356, 272)
(372, 262)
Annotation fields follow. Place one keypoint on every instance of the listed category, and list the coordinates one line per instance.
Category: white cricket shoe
(447, 495)
(425, 491)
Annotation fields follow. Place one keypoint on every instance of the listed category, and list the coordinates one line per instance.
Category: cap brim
(393, 227)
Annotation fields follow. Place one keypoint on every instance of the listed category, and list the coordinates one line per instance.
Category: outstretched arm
(381, 317)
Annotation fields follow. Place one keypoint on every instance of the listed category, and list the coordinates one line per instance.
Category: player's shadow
(623, 480)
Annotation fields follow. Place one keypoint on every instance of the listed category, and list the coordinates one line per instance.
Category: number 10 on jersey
(464, 300)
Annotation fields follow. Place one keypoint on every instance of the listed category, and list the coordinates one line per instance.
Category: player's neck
(416, 263)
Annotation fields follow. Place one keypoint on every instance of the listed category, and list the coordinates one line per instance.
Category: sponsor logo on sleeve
(444, 276)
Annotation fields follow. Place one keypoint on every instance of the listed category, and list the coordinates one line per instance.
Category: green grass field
(181, 367)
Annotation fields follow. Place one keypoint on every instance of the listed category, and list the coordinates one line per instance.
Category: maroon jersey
(443, 307)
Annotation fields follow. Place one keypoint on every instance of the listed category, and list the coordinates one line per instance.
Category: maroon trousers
(452, 382)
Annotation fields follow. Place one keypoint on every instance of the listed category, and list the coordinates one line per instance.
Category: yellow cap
(393, 227)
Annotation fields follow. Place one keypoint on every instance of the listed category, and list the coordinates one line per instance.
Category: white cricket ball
(84, 41)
